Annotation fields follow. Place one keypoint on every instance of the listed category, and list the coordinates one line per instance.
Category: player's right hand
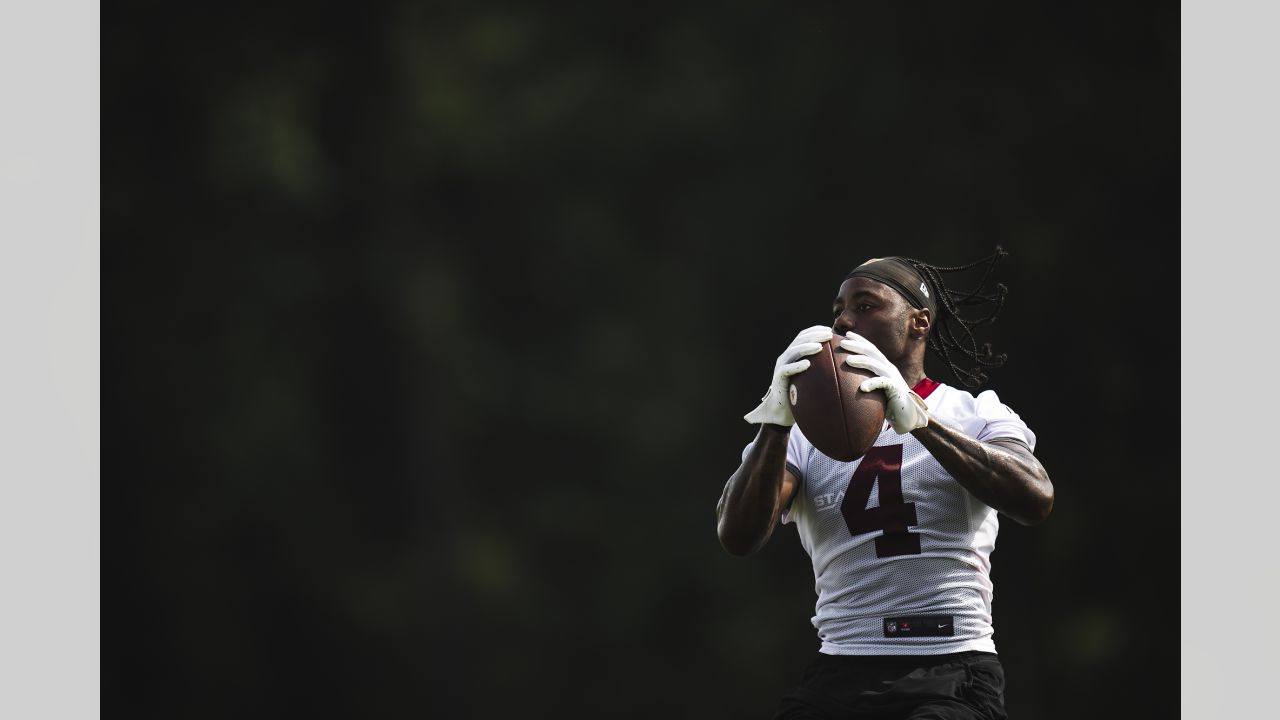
(775, 406)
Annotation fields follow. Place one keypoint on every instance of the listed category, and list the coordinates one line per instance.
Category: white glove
(775, 408)
(904, 409)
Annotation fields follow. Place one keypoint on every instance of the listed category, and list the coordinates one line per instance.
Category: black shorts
(968, 685)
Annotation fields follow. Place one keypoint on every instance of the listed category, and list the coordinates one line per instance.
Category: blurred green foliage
(431, 328)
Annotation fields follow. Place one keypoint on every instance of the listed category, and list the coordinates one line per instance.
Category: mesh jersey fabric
(860, 581)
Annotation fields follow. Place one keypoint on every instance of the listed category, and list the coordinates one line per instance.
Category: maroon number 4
(893, 516)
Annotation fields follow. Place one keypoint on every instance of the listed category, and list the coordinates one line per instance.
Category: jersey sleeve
(1000, 421)
(797, 459)
(797, 463)
(797, 456)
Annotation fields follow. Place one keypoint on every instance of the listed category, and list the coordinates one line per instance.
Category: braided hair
(953, 331)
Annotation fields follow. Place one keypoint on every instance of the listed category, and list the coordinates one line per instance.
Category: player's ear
(920, 322)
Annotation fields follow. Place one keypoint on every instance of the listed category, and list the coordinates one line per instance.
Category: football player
(901, 538)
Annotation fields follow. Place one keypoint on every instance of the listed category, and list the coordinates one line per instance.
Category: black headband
(901, 276)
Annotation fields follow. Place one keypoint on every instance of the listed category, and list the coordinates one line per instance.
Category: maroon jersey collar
(925, 386)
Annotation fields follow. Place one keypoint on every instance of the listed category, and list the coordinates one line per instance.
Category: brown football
(839, 419)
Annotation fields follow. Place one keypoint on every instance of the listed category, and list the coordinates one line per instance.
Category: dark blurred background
(430, 328)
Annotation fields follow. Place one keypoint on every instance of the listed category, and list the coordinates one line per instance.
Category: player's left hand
(904, 409)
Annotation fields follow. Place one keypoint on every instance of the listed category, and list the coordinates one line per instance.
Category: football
(839, 419)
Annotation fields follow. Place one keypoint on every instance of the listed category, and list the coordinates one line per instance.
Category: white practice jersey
(901, 552)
